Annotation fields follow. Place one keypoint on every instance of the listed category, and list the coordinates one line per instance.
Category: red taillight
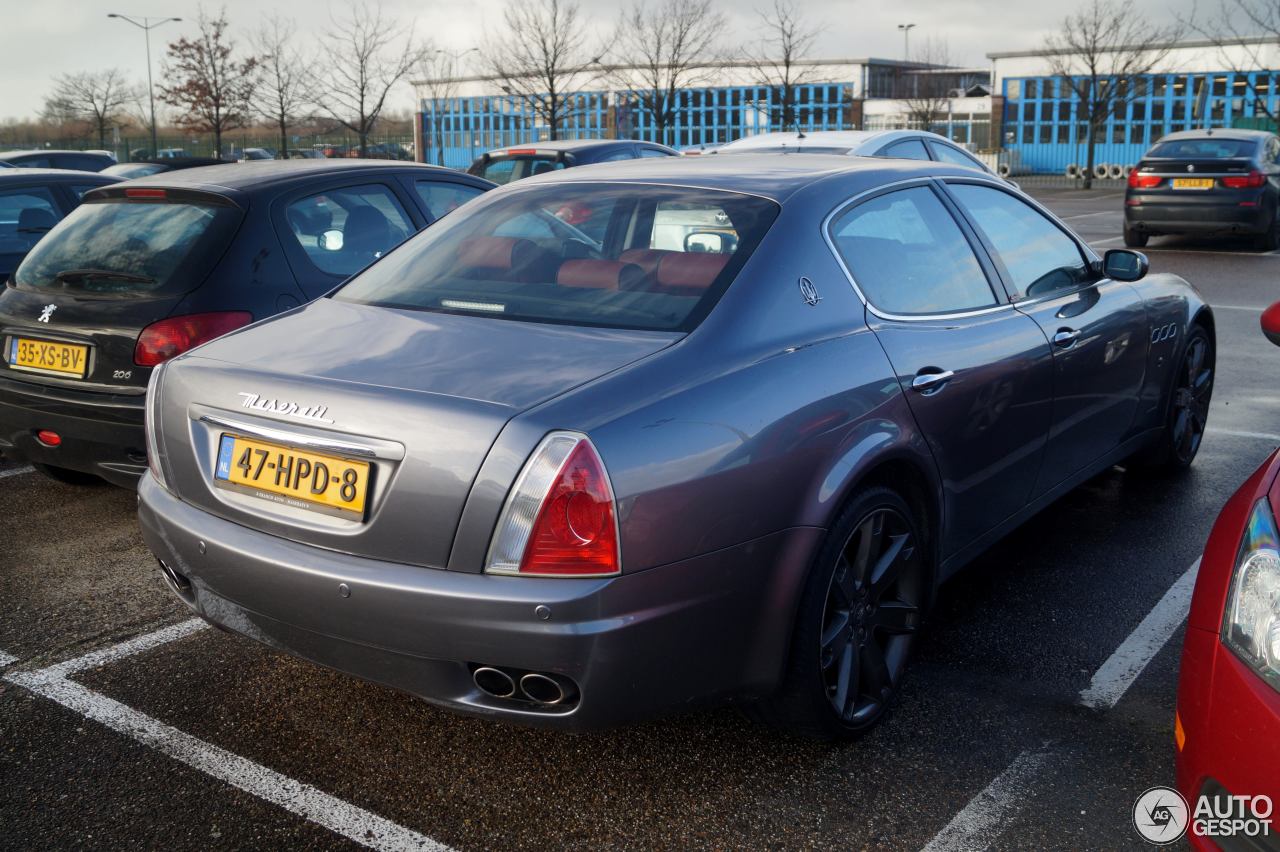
(1137, 180)
(170, 337)
(575, 531)
(1253, 180)
(144, 193)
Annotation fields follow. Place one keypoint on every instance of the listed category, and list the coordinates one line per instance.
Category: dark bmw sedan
(505, 165)
(147, 269)
(1206, 182)
(727, 448)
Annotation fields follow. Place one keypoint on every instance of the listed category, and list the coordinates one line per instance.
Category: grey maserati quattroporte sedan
(636, 437)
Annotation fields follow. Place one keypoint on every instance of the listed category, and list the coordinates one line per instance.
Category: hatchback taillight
(560, 519)
(1253, 180)
(170, 337)
(1137, 180)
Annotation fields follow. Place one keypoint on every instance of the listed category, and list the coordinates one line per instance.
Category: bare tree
(1244, 33)
(208, 83)
(440, 81)
(366, 60)
(286, 80)
(535, 58)
(1100, 54)
(661, 47)
(775, 61)
(97, 98)
(926, 93)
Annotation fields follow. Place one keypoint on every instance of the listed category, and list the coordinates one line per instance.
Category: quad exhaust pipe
(538, 688)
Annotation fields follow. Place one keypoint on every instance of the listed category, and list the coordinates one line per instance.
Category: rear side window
(508, 169)
(26, 215)
(645, 257)
(947, 154)
(441, 198)
(1039, 258)
(653, 152)
(909, 257)
(907, 149)
(344, 230)
(128, 247)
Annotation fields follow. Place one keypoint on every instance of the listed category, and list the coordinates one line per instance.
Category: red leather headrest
(646, 259)
(691, 270)
(599, 274)
(491, 252)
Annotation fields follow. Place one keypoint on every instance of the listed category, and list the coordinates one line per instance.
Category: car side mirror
(331, 240)
(1125, 265)
(1271, 323)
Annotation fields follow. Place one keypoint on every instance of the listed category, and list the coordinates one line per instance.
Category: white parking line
(1087, 215)
(1237, 308)
(1104, 242)
(17, 471)
(1127, 662)
(7, 659)
(978, 826)
(356, 824)
(1261, 436)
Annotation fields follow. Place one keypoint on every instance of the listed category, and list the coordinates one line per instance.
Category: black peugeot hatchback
(145, 270)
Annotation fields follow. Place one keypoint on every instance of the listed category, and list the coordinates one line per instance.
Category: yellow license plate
(68, 359)
(293, 477)
(1193, 183)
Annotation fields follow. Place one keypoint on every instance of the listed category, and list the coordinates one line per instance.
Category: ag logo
(46, 313)
(1160, 815)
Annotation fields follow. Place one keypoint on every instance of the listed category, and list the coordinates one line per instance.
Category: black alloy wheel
(1191, 395)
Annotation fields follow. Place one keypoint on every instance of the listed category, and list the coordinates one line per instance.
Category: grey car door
(975, 372)
(1097, 327)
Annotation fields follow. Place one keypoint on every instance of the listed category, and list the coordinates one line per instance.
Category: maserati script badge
(314, 413)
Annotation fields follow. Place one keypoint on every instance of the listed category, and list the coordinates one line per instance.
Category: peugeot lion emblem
(47, 312)
(1191, 167)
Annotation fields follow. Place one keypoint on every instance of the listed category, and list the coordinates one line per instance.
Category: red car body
(1228, 716)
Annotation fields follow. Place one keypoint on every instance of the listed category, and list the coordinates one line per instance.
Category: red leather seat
(689, 273)
(504, 259)
(646, 259)
(599, 274)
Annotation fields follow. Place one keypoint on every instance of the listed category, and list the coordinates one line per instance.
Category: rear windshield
(129, 247)
(505, 169)
(623, 256)
(1204, 149)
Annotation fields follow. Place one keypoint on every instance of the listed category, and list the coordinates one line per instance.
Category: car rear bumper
(631, 647)
(101, 433)
(1231, 719)
(1202, 216)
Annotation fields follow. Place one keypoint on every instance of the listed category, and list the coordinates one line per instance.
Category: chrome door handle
(931, 382)
(1065, 338)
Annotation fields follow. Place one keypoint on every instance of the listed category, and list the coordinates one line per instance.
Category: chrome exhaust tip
(176, 581)
(494, 682)
(542, 689)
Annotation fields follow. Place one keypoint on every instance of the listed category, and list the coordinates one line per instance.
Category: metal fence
(126, 148)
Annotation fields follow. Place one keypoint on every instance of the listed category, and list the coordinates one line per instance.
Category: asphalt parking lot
(1039, 707)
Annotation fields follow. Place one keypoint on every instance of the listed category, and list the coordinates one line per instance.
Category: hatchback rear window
(1204, 149)
(506, 169)
(110, 247)
(623, 256)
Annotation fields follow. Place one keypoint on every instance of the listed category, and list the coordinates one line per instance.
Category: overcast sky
(42, 38)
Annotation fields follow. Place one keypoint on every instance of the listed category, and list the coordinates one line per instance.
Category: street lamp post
(906, 35)
(147, 25)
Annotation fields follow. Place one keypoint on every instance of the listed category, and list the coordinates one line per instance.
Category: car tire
(1178, 442)
(841, 689)
(1134, 238)
(67, 476)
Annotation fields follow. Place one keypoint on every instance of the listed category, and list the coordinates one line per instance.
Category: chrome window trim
(866, 303)
(298, 439)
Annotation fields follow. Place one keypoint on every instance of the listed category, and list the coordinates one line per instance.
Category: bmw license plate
(1193, 183)
(292, 477)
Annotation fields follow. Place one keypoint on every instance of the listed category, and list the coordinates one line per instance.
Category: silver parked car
(629, 438)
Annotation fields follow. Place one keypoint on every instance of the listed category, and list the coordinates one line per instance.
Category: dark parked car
(150, 268)
(32, 201)
(1206, 182)
(727, 448)
(83, 161)
(156, 165)
(509, 164)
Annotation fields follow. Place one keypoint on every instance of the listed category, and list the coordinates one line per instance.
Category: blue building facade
(1041, 123)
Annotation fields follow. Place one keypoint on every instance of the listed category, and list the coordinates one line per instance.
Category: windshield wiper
(106, 274)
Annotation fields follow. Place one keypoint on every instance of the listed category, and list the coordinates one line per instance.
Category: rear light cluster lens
(560, 519)
(1251, 623)
(1137, 180)
(1253, 180)
(170, 337)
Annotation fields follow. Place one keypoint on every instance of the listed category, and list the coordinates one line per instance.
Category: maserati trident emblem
(47, 312)
(809, 292)
(314, 413)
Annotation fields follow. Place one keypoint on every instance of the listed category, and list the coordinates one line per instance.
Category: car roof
(564, 145)
(257, 175)
(8, 155)
(815, 139)
(772, 175)
(54, 175)
(1217, 133)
